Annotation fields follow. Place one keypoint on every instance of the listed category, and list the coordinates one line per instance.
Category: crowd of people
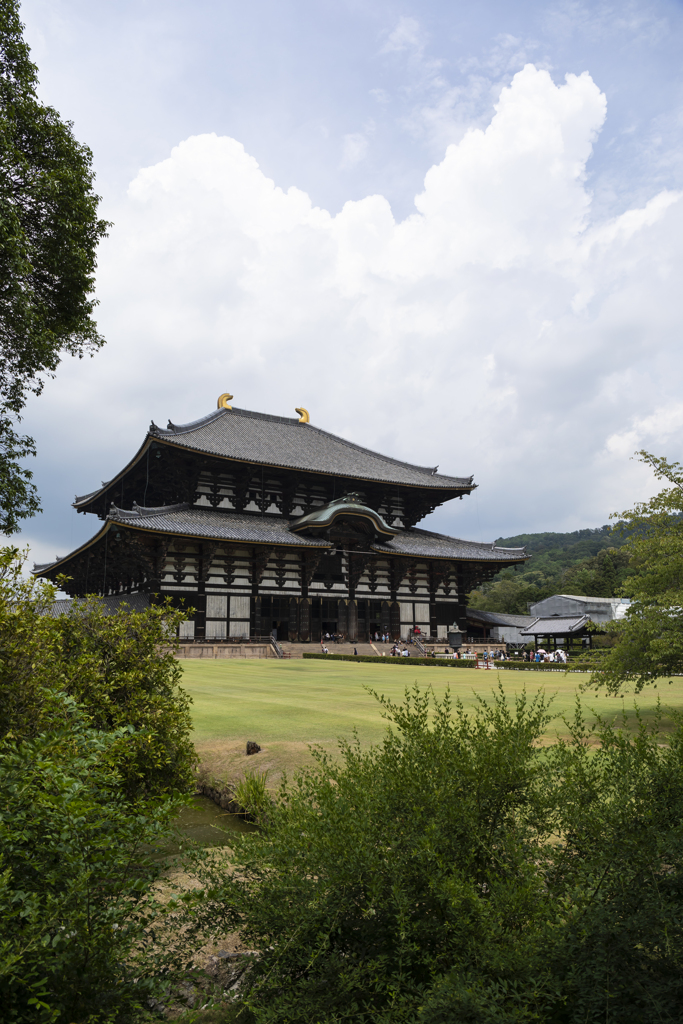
(399, 649)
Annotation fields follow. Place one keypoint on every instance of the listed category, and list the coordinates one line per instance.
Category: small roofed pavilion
(556, 631)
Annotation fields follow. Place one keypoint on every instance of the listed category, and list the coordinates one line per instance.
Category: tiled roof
(215, 524)
(283, 441)
(110, 604)
(556, 625)
(418, 543)
(499, 618)
(187, 521)
(240, 526)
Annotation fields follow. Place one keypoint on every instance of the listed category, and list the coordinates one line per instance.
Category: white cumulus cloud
(497, 330)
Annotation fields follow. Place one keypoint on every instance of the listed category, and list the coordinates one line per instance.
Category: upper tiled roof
(283, 441)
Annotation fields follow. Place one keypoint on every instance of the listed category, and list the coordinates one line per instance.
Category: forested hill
(584, 562)
(564, 549)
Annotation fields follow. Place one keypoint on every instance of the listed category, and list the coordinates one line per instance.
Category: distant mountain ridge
(565, 548)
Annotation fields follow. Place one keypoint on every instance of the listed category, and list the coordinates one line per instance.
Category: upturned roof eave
(44, 569)
(449, 484)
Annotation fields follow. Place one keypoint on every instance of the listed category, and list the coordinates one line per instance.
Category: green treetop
(649, 641)
(49, 232)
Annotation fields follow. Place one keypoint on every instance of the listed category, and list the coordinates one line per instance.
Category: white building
(598, 609)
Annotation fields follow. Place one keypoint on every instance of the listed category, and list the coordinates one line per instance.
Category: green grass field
(287, 705)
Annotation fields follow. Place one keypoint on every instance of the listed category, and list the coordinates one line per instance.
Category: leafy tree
(49, 232)
(76, 880)
(650, 638)
(119, 668)
(513, 592)
(461, 871)
(602, 576)
(122, 671)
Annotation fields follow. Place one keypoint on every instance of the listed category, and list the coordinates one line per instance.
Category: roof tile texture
(280, 441)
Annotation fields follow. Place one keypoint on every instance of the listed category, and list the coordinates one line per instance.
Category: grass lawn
(287, 705)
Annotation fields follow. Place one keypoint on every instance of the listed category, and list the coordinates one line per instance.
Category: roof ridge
(186, 428)
(141, 511)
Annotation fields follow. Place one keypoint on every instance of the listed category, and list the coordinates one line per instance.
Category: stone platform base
(225, 651)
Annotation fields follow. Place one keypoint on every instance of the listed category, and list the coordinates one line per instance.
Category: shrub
(117, 667)
(75, 879)
(379, 660)
(461, 872)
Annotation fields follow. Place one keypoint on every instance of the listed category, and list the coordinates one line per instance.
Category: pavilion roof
(556, 625)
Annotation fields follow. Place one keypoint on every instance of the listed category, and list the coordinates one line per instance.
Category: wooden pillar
(305, 619)
(395, 620)
(385, 617)
(256, 624)
(462, 601)
(352, 620)
(342, 617)
(433, 631)
(293, 618)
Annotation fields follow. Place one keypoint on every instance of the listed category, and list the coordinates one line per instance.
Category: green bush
(461, 872)
(122, 671)
(75, 879)
(94, 751)
(378, 659)
(114, 666)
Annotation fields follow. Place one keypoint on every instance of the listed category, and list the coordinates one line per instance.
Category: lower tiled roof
(216, 524)
(418, 543)
(110, 604)
(188, 521)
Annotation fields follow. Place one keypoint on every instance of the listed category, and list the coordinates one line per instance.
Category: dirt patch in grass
(226, 761)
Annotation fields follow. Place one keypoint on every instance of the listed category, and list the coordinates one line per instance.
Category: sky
(453, 232)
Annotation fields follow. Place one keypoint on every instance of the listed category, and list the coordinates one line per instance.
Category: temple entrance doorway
(324, 612)
(275, 616)
(373, 621)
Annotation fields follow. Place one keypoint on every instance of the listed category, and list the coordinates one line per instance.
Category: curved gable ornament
(346, 509)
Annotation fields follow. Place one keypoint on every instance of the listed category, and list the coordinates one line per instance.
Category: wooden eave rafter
(174, 446)
(173, 535)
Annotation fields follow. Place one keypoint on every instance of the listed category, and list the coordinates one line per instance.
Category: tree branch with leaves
(49, 232)
(649, 641)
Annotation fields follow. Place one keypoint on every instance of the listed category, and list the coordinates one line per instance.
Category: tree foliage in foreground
(119, 668)
(95, 754)
(49, 232)
(649, 641)
(461, 872)
(76, 879)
